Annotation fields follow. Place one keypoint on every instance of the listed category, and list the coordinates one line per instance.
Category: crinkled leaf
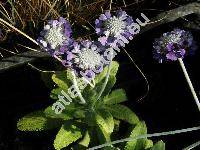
(139, 144)
(86, 140)
(148, 144)
(109, 86)
(60, 78)
(79, 113)
(103, 136)
(68, 134)
(159, 146)
(64, 81)
(37, 121)
(111, 82)
(117, 96)
(55, 92)
(89, 95)
(123, 113)
(113, 72)
(101, 78)
(117, 124)
(111, 148)
(114, 68)
(66, 114)
(90, 118)
(105, 120)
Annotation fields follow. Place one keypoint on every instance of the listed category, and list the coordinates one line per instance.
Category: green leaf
(103, 136)
(66, 114)
(159, 146)
(110, 148)
(113, 72)
(68, 134)
(55, 92)
(79, 114)
(90, 118)
(123, 113)
(60, 78)
(86, 140)
(111, 82)
(148, 144)
(37, 121)
(114, 68)
(117, 96)
(139, 144)
(105, 120)
(89, 95)
(109, 86)
(117, 124)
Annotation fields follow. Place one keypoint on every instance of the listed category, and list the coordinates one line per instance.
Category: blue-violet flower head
(173, 45)
(55, 36)
(85, 56)
(115, 30)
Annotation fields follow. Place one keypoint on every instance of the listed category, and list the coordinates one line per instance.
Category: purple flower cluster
(81, 56)
(56, 36)
(87, 56)
(173, 45)
(115, 31)
(84, 56)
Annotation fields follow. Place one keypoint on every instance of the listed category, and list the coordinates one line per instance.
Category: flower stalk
(189, 82)
(77, 89)
(107, 76)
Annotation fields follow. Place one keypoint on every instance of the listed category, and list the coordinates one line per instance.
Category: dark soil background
(168, 106)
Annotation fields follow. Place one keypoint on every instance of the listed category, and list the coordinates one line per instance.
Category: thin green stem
(86, 80)
(189, 82)
(107, 76)
(77, 89)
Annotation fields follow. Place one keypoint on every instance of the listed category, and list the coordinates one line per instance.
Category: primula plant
(173, 46)
(96, 122)
(90, 104)
(95, 113)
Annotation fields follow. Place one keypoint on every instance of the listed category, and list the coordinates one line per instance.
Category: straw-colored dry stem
(14, 28)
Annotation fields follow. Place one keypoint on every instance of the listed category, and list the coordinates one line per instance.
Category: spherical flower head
(55, 36)
(173, 45)
(115, 30)
(84, 56)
